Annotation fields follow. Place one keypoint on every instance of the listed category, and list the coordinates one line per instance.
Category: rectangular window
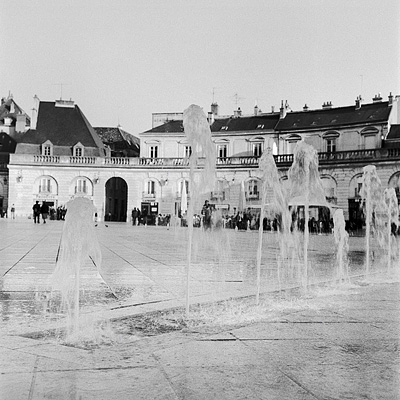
(357, 190)
(47, 150)
(78, 152)
(369, 142)
(330, 145)
(153, 151)
(187, 151)
(186, 183)
(257, 149)
(222, 151)
(45, 185)
(81, 186)
(150, 187)
(252, 188)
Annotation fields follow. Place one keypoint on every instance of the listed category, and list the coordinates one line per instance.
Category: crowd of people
(47, 212)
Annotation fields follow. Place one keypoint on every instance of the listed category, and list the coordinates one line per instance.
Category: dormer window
(78, 150)
(224, 128)
(261, 126)
(47, 148)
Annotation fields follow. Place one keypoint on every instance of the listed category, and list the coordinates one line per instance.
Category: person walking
(44, 211)
(13, 211)
(36, 212)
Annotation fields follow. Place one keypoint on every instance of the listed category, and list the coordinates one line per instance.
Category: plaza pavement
(338, 344)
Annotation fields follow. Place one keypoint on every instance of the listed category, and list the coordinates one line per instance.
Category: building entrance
(116, 200)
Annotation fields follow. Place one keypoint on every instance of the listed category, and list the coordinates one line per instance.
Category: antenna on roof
(61, 88)
(361, 84)
(237, 98)
(213, 93)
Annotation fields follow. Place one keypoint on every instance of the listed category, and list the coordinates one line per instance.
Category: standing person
(13, 211)
(144, 216)
(36, 212)
(206, 212)
(45, 211)
(134, 216)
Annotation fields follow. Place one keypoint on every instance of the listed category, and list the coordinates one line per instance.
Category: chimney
(256, 109)
(35, 110)
(282, 111)
(21, 122)
(327, 105)
(358, 102)
(214, 108)
(237, 113)
(210, 118)
(272, 109)
(65, 103)
(390, 98)
(377, 98)
(305, 108)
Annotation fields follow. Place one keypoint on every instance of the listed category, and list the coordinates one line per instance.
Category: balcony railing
(148, 196)
(218, 195)
(281, 160)
(253, 196)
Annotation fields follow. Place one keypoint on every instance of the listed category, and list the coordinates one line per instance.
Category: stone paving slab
(335, 346)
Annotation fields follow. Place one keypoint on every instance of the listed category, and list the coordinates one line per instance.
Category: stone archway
(116, 200)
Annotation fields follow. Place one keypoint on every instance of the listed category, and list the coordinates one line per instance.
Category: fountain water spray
(392, 209)
(273, 198)
(371, 195)
(198, 134)
(306, 189)
(78, 243)
(342, 246)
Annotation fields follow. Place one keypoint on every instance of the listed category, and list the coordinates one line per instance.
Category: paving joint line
(30, 250)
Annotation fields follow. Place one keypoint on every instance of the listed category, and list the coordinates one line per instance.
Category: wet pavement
(340, 344)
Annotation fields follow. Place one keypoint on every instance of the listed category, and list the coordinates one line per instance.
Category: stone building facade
(53, 164)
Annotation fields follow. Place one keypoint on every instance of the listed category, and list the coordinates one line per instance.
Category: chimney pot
(358, 102)
(214, 108)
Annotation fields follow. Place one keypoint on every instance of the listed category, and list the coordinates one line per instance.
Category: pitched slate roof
(170, 126)
(9, 108)
(112, 135)
(331, 117)
(7, 143)
(263, 122)
(63, 126)
(394, 132)
(118, 139)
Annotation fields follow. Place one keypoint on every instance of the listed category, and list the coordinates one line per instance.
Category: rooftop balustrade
(282, 160)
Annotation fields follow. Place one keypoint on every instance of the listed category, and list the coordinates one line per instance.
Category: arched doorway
(116, 200)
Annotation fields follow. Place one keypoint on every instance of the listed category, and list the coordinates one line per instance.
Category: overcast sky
(122, 60)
